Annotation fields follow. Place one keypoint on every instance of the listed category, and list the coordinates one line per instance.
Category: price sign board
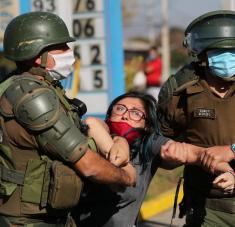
(96, 25)
(8, 10)
(88, 29)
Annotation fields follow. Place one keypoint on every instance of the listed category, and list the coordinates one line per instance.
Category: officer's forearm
(194, 153)
(97, 169)
(222, 167)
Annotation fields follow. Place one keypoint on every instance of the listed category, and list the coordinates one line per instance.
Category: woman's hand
(119, 153)
(174, 153)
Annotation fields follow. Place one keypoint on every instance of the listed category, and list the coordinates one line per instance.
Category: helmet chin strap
(43, 65)
(41, 70)
(43, 59)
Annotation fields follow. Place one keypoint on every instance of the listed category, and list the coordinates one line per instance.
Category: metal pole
(165, 41)
(232, 5)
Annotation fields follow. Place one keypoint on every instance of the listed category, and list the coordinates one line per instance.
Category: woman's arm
(115, 149)
(99, 131)
(174, 154)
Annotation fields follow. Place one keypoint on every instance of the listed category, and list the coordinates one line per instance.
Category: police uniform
(189, 111)
(197, 116)
(40, 136)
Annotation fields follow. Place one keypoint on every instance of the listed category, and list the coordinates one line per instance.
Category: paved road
(163, 220)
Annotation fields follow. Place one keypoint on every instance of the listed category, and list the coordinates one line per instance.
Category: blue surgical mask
(222, 63)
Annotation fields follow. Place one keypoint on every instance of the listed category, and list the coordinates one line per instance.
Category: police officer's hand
(214, 155)
(174, 153)
(119, 152)
(130, 170)
(225, 181)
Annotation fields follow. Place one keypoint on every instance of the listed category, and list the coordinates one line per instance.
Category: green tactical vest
(44, 187)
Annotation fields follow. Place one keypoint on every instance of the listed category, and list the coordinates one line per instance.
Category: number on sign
(90, 5)
(98, 80)
(95, 54)
(87, 5)
(83, 28)
(77, 28)
(76, 5)
(44, 5)
(89, 28)
(77, 52)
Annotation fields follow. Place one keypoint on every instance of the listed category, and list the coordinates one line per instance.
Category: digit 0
(77, 28)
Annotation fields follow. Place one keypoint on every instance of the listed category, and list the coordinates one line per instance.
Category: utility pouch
(9, 178)
(34, 181)
(65, 187)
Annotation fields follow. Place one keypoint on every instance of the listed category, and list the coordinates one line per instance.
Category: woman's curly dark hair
(144, 144)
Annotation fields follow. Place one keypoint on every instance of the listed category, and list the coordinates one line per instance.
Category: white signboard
(88, 29)
(8, 10)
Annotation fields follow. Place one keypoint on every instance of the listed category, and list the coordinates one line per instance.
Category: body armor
(38, 126)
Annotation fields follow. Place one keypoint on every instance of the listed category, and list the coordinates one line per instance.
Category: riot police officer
(196, 105)
(42, 147)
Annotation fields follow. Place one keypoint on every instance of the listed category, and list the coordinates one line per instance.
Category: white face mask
(63, 65)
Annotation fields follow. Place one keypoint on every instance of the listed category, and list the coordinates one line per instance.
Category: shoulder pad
(5, 84)
(9, 88)
(19, 86)
(35, 105)
(185, 77)
(178, 82)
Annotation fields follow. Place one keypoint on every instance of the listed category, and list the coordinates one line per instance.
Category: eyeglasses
(134, 114)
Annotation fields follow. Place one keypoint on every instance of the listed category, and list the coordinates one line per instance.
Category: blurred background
(121, 45)
(113, 42)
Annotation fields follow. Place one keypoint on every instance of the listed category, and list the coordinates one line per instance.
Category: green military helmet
(28, 34)
(213, 30)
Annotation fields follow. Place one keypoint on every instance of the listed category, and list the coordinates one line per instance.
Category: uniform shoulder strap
(178, 82)
(185, 77)
(6, 84)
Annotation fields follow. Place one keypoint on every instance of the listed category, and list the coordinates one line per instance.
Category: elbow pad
(39, 110)
(64, 139)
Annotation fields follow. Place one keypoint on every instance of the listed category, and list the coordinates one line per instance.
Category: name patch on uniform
(204, 113)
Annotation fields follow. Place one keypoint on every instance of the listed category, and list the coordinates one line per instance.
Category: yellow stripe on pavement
(159, 204)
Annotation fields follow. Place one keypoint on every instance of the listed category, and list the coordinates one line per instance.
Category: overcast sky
(181, 13)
